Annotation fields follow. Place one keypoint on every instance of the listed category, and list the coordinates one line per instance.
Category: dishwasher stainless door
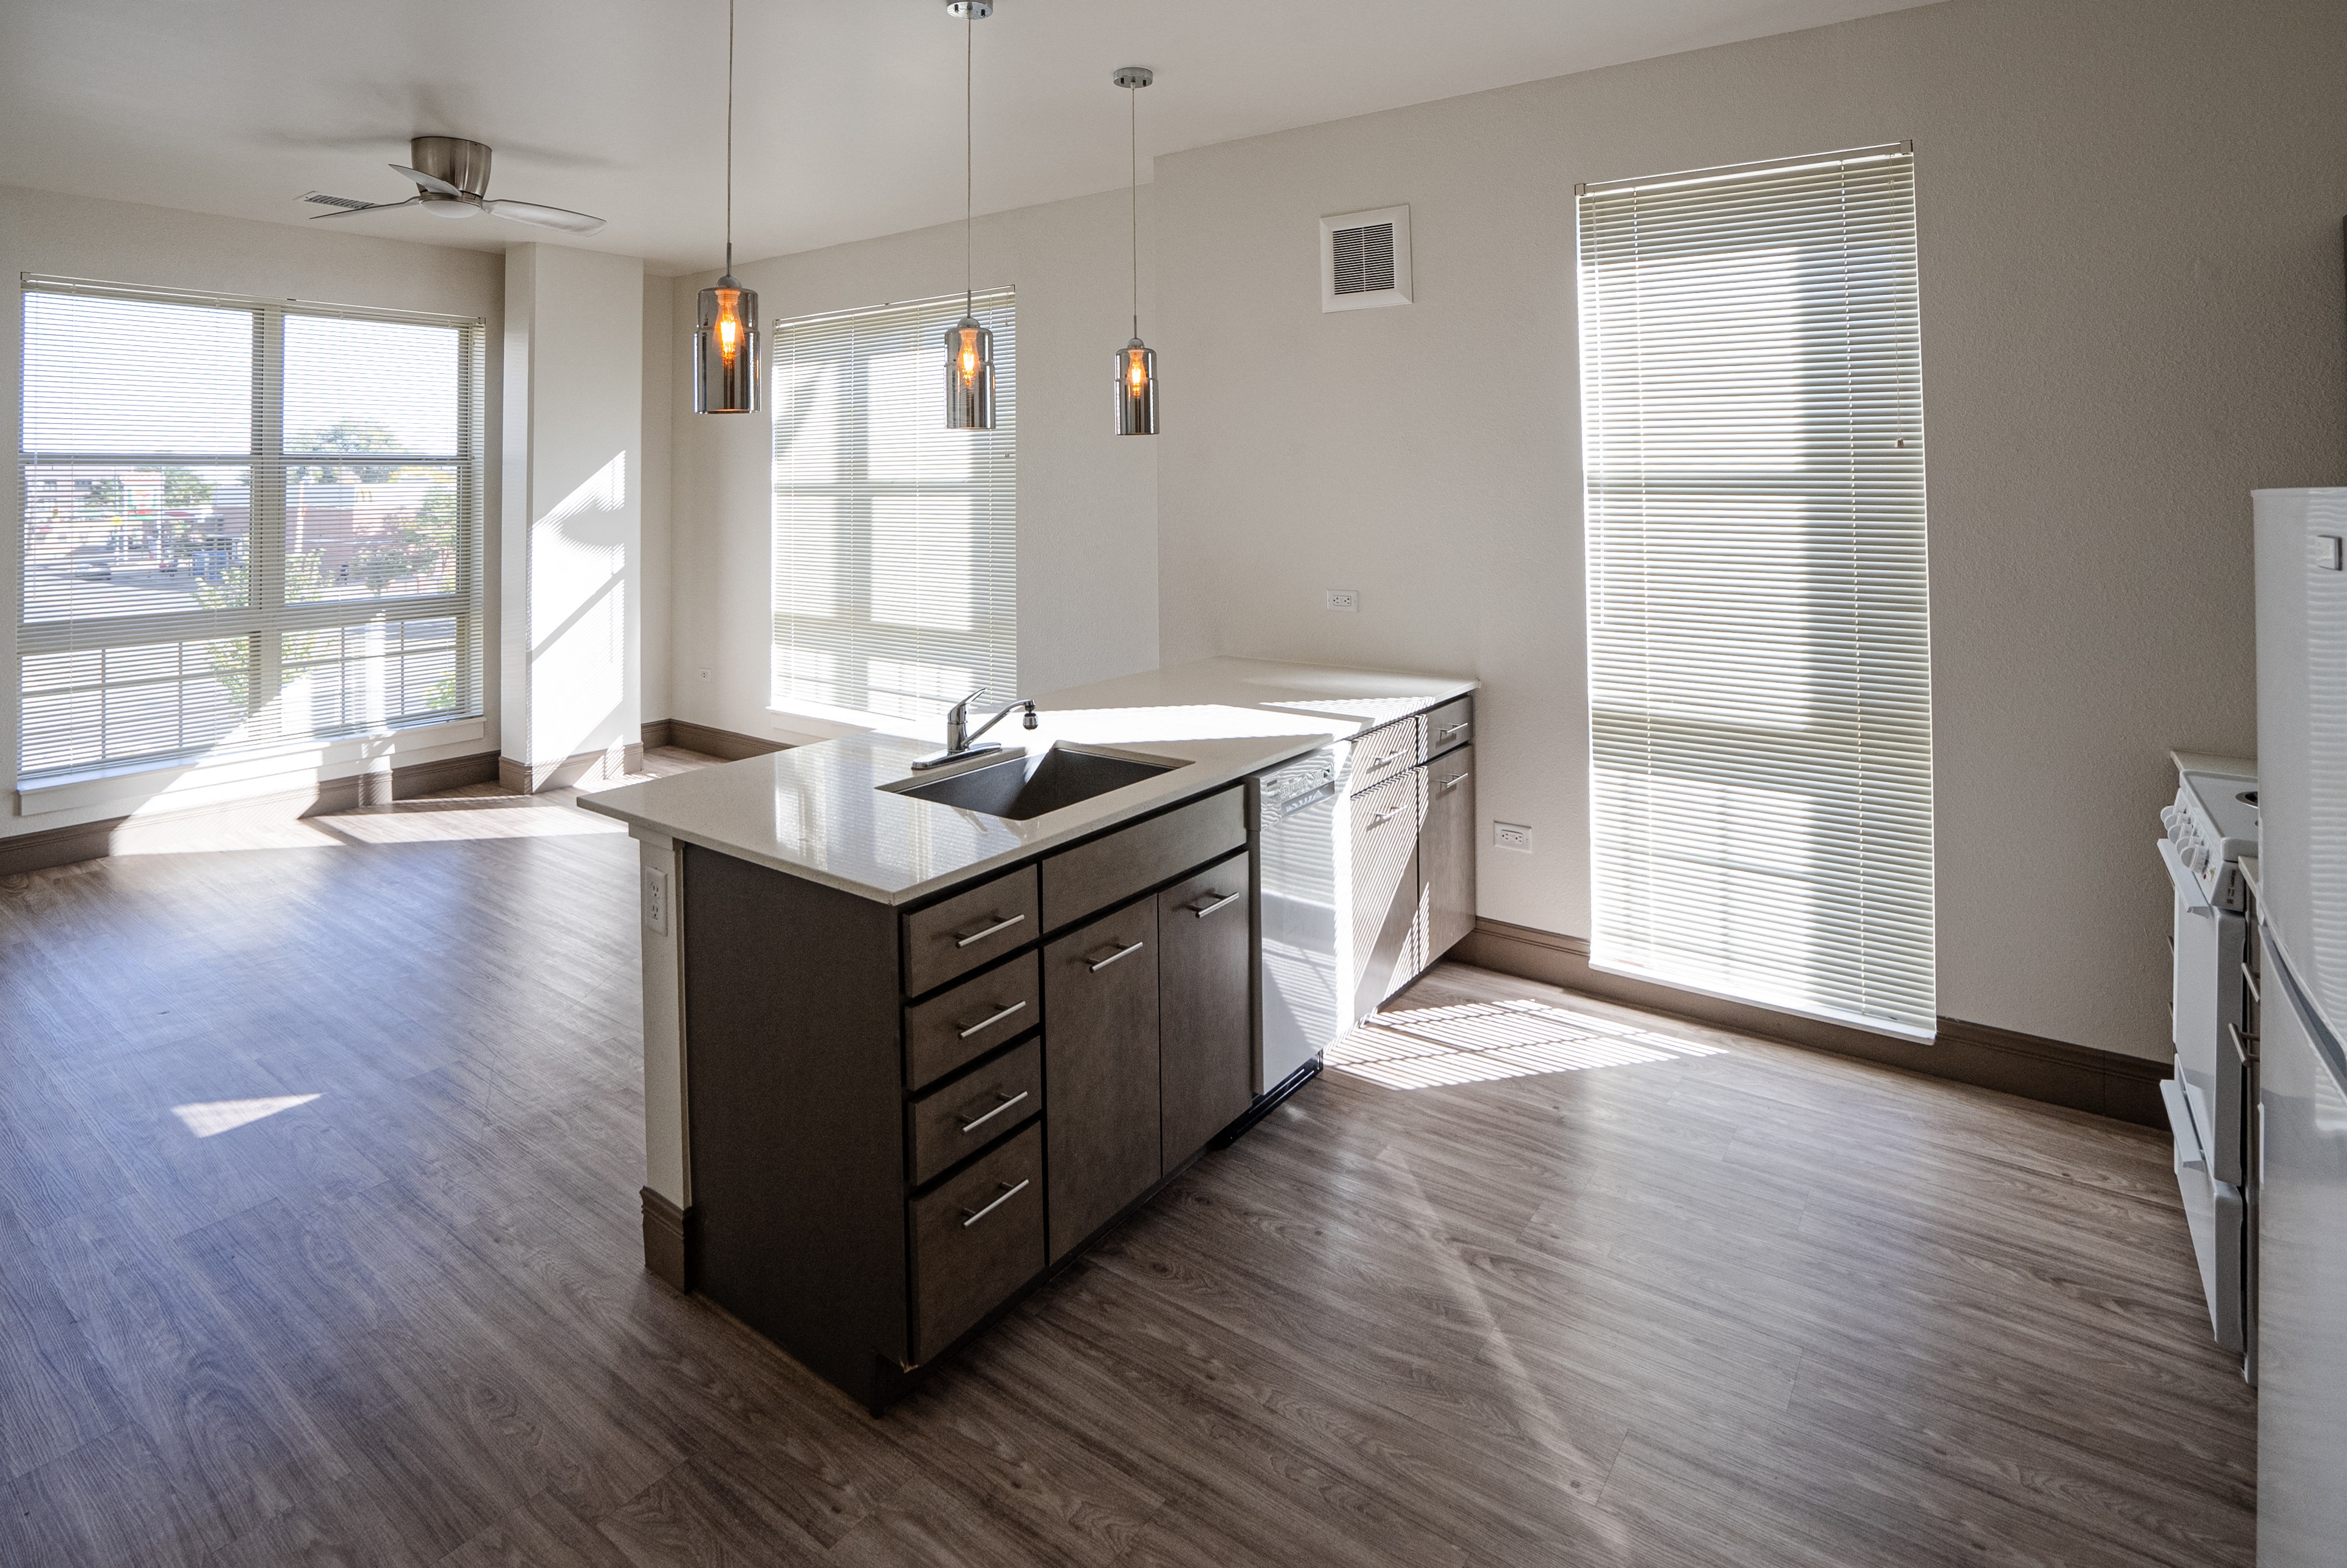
(1304, 993)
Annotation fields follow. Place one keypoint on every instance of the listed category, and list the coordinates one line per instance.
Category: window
(247, 525)
(1759, 639)
(895, 576)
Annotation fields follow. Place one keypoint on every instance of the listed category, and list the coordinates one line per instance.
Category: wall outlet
(1347, 598)
(656, 901)
(1512, 835)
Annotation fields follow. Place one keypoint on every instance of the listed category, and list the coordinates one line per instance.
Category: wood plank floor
(318, 1244)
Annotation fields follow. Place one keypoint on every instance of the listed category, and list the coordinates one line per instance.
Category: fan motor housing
(462, 164)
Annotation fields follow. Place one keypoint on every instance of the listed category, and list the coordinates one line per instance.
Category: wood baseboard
(726, 745)
(50, 846)
(665, 1251)
(2051, 1070)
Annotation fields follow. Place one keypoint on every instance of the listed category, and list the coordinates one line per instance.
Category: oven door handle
(2188, 887)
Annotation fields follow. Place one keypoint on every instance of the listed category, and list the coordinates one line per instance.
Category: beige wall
(2129, 218)
(124, 243)
(1087, 515)
(663, 352)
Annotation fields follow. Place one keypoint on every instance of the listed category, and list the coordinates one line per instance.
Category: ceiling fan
(451, 176)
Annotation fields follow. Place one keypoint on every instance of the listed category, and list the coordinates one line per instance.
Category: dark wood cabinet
(977, 1238)
(1446, 851)
(1206, 993)
(1100, 1070)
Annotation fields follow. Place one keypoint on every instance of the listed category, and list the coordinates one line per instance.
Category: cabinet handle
(1385, 817)
(989, 1022)
(984, 932)
(1120, 953)
(1202, 910)
(970, 1219)
(1387, 760)
(975, 1122)
(1461, 779)
(1450, 732)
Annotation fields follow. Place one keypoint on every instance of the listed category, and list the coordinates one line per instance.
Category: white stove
(2212, 826)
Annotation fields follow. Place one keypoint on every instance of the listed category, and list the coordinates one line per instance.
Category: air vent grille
(1364, 259)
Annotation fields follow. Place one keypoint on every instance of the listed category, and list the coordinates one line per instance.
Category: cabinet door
(1205, 1003)
(1385, 890)
(1446, 852)
(1100, 1070)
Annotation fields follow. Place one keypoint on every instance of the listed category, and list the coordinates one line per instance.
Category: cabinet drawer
(971, 1020)
(1448, 726)
(1386, 753)
(968, 929)
(1093, 876)
(976, 1240)
(951, 1123)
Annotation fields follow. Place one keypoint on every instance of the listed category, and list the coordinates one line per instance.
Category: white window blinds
(894, 569)
(248, 526)
(1759, 636)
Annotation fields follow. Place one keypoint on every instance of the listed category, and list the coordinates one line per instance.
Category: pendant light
(1136, 362)
(725, 333)
(970, 347)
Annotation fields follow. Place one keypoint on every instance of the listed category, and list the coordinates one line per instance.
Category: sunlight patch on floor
(1475, 1042)
(210, 1117)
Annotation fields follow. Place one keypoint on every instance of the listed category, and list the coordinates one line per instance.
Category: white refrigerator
(2301, 567)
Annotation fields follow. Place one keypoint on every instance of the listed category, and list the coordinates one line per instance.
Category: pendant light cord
(728, 138)
(968, 162)
(1132, 149)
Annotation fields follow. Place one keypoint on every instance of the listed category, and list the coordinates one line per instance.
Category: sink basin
(1021, 786)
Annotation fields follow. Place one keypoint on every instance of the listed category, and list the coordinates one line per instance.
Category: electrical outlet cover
(1512, 835)
(1345, 599)
(656, 900)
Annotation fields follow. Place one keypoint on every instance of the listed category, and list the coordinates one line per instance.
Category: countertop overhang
(822, 812)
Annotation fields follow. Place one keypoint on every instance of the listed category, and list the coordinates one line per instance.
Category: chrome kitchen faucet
(961, 741)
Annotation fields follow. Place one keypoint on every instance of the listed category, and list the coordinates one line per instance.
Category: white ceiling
(849, 112)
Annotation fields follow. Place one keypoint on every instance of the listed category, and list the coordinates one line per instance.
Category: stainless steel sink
(1021, 785)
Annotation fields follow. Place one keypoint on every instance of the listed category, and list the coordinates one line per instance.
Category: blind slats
(1759, 642)
(246, 524)
(895, 539)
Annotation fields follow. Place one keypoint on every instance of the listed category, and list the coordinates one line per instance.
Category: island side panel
(668, 1185)
(796, 1087)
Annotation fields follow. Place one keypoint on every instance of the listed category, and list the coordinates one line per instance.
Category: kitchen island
(903, 1057)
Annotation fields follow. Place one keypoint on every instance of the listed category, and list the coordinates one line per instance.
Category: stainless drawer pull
(1387, 760)
(970, 1219)
(1461, 779)
(989, 1022)
(1450, 732)
(975, 1122)
(982, 934)
(1120, 953)
(1202, 910)
(1385, 817)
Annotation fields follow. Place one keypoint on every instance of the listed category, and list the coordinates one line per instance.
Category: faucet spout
(961, 741)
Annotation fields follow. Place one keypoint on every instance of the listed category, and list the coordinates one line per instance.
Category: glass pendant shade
(1136, 389)
(970, 376)
(725, 350)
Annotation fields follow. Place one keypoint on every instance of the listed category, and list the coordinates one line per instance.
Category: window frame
(992, 484)
(1771, 844)
(266, 618)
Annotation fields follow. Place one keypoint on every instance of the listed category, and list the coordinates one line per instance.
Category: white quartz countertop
(820, 812)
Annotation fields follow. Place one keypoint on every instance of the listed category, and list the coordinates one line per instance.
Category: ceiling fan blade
(354, 211)
(545, 217)
(429, 181)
